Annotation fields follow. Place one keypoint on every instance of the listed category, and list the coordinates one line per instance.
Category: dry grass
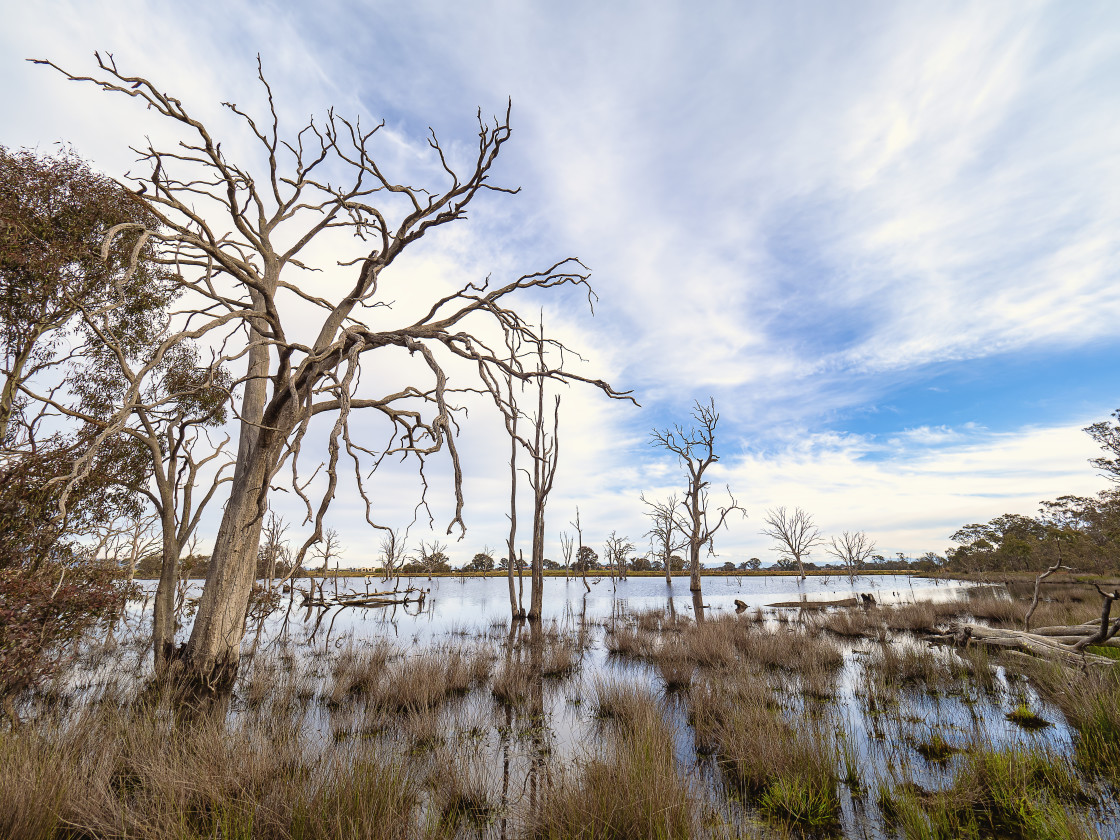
(674, 664)
(789, 772)
(850, 622)
(712, 642)
(513, 684)
(356, 671)
(624, 640)
(428, 679)
(120, 774)
(792, 649)
(634, 790)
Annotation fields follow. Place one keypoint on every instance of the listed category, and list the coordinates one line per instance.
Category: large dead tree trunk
(221, 229)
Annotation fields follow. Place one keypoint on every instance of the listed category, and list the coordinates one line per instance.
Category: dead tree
(1066, 645)
(517, 609)
(235, 238)
(695, 451)
(394, 549)
(795, 533)
(617, 549)
(579, 550)
(853, 550)
(567, 548)
(665, 533)
(543, 449)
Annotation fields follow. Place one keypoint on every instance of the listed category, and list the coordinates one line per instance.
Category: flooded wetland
(622, 714)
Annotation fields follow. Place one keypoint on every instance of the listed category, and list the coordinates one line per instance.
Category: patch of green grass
(1027, 718)
(1105, 650)
(807, 802)
(936, 750)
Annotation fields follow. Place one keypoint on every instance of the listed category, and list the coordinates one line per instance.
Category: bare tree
(235, 237)
(330, 548)
(695, 450)
(274, 547)
(394, 549)
(544, 454)
(617, 550)
(579, 549)
(795, 534)
(516, 606)
(567, 549)
(665, 533)
(432, 555)
(853, 549)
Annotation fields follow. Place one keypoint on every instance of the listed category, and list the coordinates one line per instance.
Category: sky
(880, 236)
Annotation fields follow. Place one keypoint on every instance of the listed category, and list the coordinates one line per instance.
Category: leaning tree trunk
(213, 651)
(214, 648)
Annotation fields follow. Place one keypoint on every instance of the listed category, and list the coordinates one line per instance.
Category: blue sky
(882, 236)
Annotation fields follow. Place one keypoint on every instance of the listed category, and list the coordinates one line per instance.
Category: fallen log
(817, 605)
(964, 634)
(411, 595)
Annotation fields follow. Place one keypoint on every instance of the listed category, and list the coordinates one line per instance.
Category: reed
(633, 790)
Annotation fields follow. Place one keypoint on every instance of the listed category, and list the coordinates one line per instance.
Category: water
(466, 605)
(561, 727)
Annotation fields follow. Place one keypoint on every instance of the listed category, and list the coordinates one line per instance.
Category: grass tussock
(674, 665)
(1088, 702)
(426, 680)
(1010, 793)
(633, 790)
(789, 772)
(632, 642)
(513, 684)
(850, 623)
(123, 774)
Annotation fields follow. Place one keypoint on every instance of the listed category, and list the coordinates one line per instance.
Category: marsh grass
(625, 640)
(790, 773)
(513, 684)
(1089, 703)
(138, 774)
(309, 734)
(674, 664)
(426, 680)
(632, 790)
(850, 622)
(1009, 793)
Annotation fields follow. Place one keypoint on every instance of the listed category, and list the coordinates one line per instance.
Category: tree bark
(163, 611)
(214, 647)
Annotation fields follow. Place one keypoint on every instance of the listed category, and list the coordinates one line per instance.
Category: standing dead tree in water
(543, 449)
(236, 238)
(665, 534)
(795, 533)
(695, 451)
(853, 549)
(617, 551)
(567, 549)
(575, 523)
(394, 549)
